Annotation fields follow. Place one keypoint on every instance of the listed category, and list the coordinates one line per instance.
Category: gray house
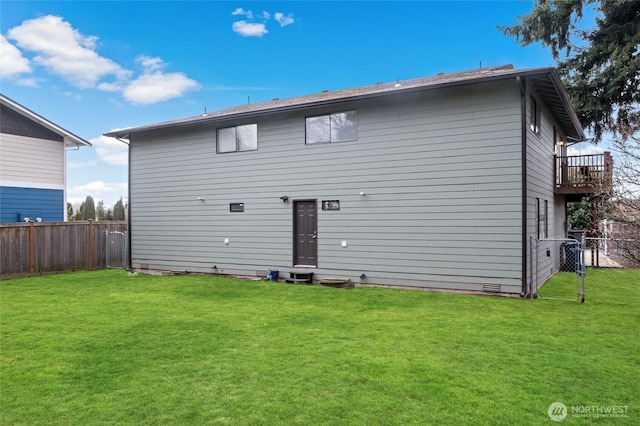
(435, 182)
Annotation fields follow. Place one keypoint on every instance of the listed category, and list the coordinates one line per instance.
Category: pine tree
(89, 211)
(100, 212)
(599, 66)
(118, 210)
(80, 213)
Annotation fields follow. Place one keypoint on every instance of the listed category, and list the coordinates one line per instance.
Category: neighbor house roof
(69, 138)
(546, 82)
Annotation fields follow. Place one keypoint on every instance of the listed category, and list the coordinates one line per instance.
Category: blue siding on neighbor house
(16, 203)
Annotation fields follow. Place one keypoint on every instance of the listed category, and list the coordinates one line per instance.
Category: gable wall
(14, 123)
(32, 162)
(440, 169)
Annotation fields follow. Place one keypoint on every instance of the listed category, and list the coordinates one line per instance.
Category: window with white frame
(542, 212)
(337, 127)
(238, 138)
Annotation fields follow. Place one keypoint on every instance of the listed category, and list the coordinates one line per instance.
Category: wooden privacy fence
(36, 248)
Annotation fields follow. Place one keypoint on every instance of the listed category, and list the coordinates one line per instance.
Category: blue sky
(93, 66)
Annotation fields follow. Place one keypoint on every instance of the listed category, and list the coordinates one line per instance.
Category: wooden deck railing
(583, 174)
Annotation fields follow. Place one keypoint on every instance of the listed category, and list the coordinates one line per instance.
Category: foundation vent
(491, 288)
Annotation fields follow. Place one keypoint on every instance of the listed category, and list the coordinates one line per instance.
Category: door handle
(315, 235)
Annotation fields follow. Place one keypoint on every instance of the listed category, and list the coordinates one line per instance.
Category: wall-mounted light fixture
(560, 142)
(362, 194)
(284, 198)
(200, 199)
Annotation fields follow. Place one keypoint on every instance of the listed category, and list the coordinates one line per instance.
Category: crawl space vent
(492, 288)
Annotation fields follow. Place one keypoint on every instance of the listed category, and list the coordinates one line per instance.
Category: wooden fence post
(32, 256)
(90, 244)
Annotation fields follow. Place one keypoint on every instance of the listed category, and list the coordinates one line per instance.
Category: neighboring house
(32, 165)
(434, 182)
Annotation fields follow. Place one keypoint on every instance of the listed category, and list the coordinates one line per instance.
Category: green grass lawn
(105, 347)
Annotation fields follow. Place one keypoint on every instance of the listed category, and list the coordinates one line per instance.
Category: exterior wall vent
(492, 288)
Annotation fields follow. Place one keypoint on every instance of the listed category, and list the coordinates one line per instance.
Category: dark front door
(305, 224)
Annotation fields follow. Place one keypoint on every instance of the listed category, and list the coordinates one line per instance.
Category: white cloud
(241, 11)
(81, 165)
(257, 27)
(249, 29)
(64, 51)
(99, 190)
(111, 150)
(150, 63)
(283, 20)
(27, 82)
(115, 86)
(158, 87)
(13, 63)
(153, 85)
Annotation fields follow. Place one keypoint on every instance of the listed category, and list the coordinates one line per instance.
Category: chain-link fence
(558, 254)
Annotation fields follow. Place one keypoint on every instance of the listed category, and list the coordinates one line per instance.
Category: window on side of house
(238, 138)
(337, 127)
(534, 116)
(542, 212)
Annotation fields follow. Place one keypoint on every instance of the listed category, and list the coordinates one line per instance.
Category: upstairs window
(337, 127)
(238, 138)
(534, 116)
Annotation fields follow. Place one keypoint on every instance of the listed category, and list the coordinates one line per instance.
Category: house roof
(546, 82)
(69, 138)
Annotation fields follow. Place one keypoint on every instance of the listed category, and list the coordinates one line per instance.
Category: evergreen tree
(100, 212)
(69, 211)
(599, 66)
(80, 213)
(118, 210)
(89, 211)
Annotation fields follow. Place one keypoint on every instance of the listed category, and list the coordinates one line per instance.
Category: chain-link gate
(571, 254)
(116, 249)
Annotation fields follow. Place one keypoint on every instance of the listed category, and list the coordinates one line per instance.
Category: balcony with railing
(583, 175)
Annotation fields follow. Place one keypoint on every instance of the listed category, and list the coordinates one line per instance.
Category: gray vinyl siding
(541, 184)
(440, 170)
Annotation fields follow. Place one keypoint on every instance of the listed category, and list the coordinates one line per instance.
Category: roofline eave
(212, 118)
